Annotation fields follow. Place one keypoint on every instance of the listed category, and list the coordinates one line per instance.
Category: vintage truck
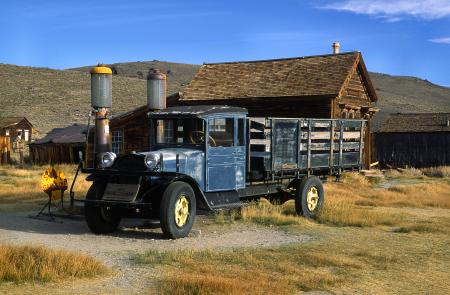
(214, 157)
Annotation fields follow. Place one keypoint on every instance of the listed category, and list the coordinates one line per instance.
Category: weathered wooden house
(61, 145)
(414, 140)
(15, 135)
(325, 86)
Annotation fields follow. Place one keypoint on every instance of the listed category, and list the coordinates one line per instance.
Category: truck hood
(191, 162)
(170, 154)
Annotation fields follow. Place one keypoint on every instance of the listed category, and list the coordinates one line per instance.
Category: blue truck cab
(208, 141)
(214, 157)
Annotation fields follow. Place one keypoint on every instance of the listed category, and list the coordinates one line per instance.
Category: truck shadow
(76, 225)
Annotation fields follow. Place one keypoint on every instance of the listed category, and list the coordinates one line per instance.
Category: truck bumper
(110, 172)
(119, 204)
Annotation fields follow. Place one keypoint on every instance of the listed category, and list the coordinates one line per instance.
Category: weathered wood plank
(326, 135)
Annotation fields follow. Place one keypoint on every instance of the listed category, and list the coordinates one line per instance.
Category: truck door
(225, 154)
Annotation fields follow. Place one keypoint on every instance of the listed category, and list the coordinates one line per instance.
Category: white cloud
(444, 40)
(395, 10)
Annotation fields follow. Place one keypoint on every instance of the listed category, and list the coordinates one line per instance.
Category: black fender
(158, 188)
(200, 197)
(95, 177)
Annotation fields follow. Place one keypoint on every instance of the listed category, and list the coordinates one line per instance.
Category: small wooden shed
(414, 140)
(15, 135)
(61, 145)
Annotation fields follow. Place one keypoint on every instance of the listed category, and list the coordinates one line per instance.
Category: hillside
(408, 95)
(53, 98)
(178, 74)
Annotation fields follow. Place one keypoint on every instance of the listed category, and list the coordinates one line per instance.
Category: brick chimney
(336, 47)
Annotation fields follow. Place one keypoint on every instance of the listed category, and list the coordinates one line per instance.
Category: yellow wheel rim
(312, 198)
(181, 211)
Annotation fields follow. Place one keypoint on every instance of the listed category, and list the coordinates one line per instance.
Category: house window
(351, 115)
(7, 132)
(344, 114)
(27, 134)
(117, 141)
(19, 133)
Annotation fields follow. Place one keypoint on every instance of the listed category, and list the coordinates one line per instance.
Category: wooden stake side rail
(281, 144)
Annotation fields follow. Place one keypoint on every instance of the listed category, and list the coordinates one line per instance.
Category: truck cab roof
(197, 111)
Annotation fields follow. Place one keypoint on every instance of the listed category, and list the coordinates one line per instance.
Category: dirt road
(134, 236)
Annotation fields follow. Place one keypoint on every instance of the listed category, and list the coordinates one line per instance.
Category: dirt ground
(135, 236)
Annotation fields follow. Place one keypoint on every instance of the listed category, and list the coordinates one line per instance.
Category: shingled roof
(75, 133)
(310, 76)
(8, 121)
(415, 123)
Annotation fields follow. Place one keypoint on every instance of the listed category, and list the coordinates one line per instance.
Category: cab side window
(221, 132)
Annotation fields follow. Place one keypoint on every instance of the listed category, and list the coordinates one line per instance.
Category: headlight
(107, 159)
(152, 160)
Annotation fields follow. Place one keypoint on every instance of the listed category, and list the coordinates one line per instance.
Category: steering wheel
(197, 137)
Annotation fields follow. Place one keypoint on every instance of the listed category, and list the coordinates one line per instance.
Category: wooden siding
(135, 134)
(55, 153)
(7, 153)
(413, 149)
(13, 130)
(293, 107)
(5, 149)
(354, 95)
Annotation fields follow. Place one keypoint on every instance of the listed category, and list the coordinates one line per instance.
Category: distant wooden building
(325, 86)
(414, 140)
(15, 135)
(61, 145)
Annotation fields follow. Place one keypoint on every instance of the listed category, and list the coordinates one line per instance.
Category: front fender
(154, 193)
(95, 177)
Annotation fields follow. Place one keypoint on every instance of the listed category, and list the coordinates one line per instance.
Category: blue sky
(397, 37)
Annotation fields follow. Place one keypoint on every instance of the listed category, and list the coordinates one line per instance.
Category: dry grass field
(368, 240)
(20, 189)
(39, 264)
(390, 236)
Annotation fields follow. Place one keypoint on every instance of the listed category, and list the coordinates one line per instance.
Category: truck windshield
(180, 131)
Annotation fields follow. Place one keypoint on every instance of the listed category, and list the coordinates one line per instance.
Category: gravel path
(135, 236)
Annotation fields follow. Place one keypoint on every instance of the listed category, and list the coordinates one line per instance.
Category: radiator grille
(131, 163)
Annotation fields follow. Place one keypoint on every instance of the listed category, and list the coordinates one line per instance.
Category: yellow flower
(53, 180)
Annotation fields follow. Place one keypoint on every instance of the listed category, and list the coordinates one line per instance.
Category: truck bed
(284, 146)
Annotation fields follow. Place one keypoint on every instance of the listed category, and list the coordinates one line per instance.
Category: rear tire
(309, 197)
(177, 210)
(99, 220)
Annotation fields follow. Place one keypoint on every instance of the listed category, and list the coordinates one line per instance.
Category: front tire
(309, 197)
(99, 220)
(177, 210)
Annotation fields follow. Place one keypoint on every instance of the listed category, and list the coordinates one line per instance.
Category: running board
(228, 206)
(217, 200)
